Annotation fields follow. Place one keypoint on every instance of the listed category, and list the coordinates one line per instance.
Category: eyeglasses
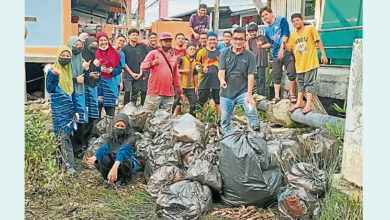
(238, 39)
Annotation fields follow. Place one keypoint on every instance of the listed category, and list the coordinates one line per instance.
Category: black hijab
(113, 141)
(88, 55)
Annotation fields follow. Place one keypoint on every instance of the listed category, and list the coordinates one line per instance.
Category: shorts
(306, 81)
(204, 96)
(289, 64)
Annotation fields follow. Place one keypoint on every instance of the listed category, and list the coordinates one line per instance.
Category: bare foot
(295, 107)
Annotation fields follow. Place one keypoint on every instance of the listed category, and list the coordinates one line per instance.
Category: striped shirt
(187, 79)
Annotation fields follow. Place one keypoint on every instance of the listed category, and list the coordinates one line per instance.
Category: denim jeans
(227, 107)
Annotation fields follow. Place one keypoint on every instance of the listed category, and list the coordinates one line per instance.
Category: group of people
(90, 72)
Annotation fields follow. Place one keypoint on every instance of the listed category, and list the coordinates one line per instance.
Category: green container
(340, 27)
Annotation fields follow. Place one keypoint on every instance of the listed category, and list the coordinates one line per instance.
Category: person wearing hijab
(91, 77)
(78, 66)
(83, 37)
(108, 59)
(59, 85)
(115, 159)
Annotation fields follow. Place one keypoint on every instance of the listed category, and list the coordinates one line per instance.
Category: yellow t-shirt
(304, 48)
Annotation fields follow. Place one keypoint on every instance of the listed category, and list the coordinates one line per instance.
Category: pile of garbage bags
(186, 171)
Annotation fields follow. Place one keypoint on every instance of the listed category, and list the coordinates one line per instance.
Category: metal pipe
(312, 119)
(342, 29)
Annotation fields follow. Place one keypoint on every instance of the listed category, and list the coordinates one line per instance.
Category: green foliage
(239, 110)
(260, 115)
(338, 206)
(209, 116)
(342, 111)
(337, 130)
(40, 143)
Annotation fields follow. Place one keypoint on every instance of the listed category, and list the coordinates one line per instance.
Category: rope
(35, 79)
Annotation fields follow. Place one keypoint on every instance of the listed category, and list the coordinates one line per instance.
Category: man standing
(277, 34)
(227, 41)
(135, 53)
(179, 48)
(199, 22)
(152, 43)
(207, 66)
(202, 40)
(261, 56)
(237, 67)
(120, 41)
(164, 75)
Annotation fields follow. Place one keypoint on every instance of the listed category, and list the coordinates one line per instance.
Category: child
(303, 44)
(188, 79)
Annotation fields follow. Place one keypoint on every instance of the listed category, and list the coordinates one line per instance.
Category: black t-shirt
(237, 68)
(134, 57)
(261, 54)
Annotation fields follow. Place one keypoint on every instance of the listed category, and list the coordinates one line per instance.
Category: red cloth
(161, 80)
(179, 53)
(109, 57)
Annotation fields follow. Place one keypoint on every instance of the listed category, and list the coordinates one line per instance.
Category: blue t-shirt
(274, 34)
(123, 64)
(221, 46)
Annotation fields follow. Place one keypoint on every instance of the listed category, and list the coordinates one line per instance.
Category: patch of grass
(338, 206)
(208, 116)
(337, 130)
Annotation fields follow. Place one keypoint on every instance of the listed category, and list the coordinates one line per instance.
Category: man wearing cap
(254, 44)
(199, 22)
(207, 67)
(164, 76)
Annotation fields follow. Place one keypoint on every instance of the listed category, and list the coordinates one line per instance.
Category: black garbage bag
(137, 116)
(189, 152)
(206, 173)
(188, 129)
(321, 147)
(95, 143)
(162, 178)
(160, 155)
(211, 154)
(102, 126)
(296, 203)
(308, 177)
(142, 145)
(184, 200)
(161, 122)
(147, 170)
(248, 176)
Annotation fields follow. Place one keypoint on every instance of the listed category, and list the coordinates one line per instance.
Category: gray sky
(180, 6)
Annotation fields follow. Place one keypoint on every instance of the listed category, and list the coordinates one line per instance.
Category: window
(309, 9)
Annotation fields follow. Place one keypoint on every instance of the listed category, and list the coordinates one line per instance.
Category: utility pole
(141, 14)
(128, 14)
(216, 16)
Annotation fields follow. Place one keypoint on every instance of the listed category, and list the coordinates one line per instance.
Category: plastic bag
(142, 145)
(285, 153)
(161, 155)
(137, 116)
(249, 177)
(95, 143)
(211, 154)
(297, 203)
(189, 152)
(162, 178)
(184, 200)
(205, 173)
(308, 177)
(161, 122)
(188, 129)
(102, 126)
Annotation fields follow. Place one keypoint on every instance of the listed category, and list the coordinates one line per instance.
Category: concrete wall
(332, 82)
(173, 27)
(352, 165)
(47, 30)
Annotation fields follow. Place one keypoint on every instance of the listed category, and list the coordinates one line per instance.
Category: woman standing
(109, 61)
(90, 80)
(78, 95)
(59, 85)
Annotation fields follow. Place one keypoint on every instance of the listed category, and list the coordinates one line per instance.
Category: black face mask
(64, 61)
(166, 48)
(92, 49)
(76, 50)
(119, 131)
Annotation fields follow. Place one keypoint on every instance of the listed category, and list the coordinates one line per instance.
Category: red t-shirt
(161, 80)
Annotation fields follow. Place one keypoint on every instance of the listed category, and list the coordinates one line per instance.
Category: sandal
(306, 110)
(293, 98)
(274, 101)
